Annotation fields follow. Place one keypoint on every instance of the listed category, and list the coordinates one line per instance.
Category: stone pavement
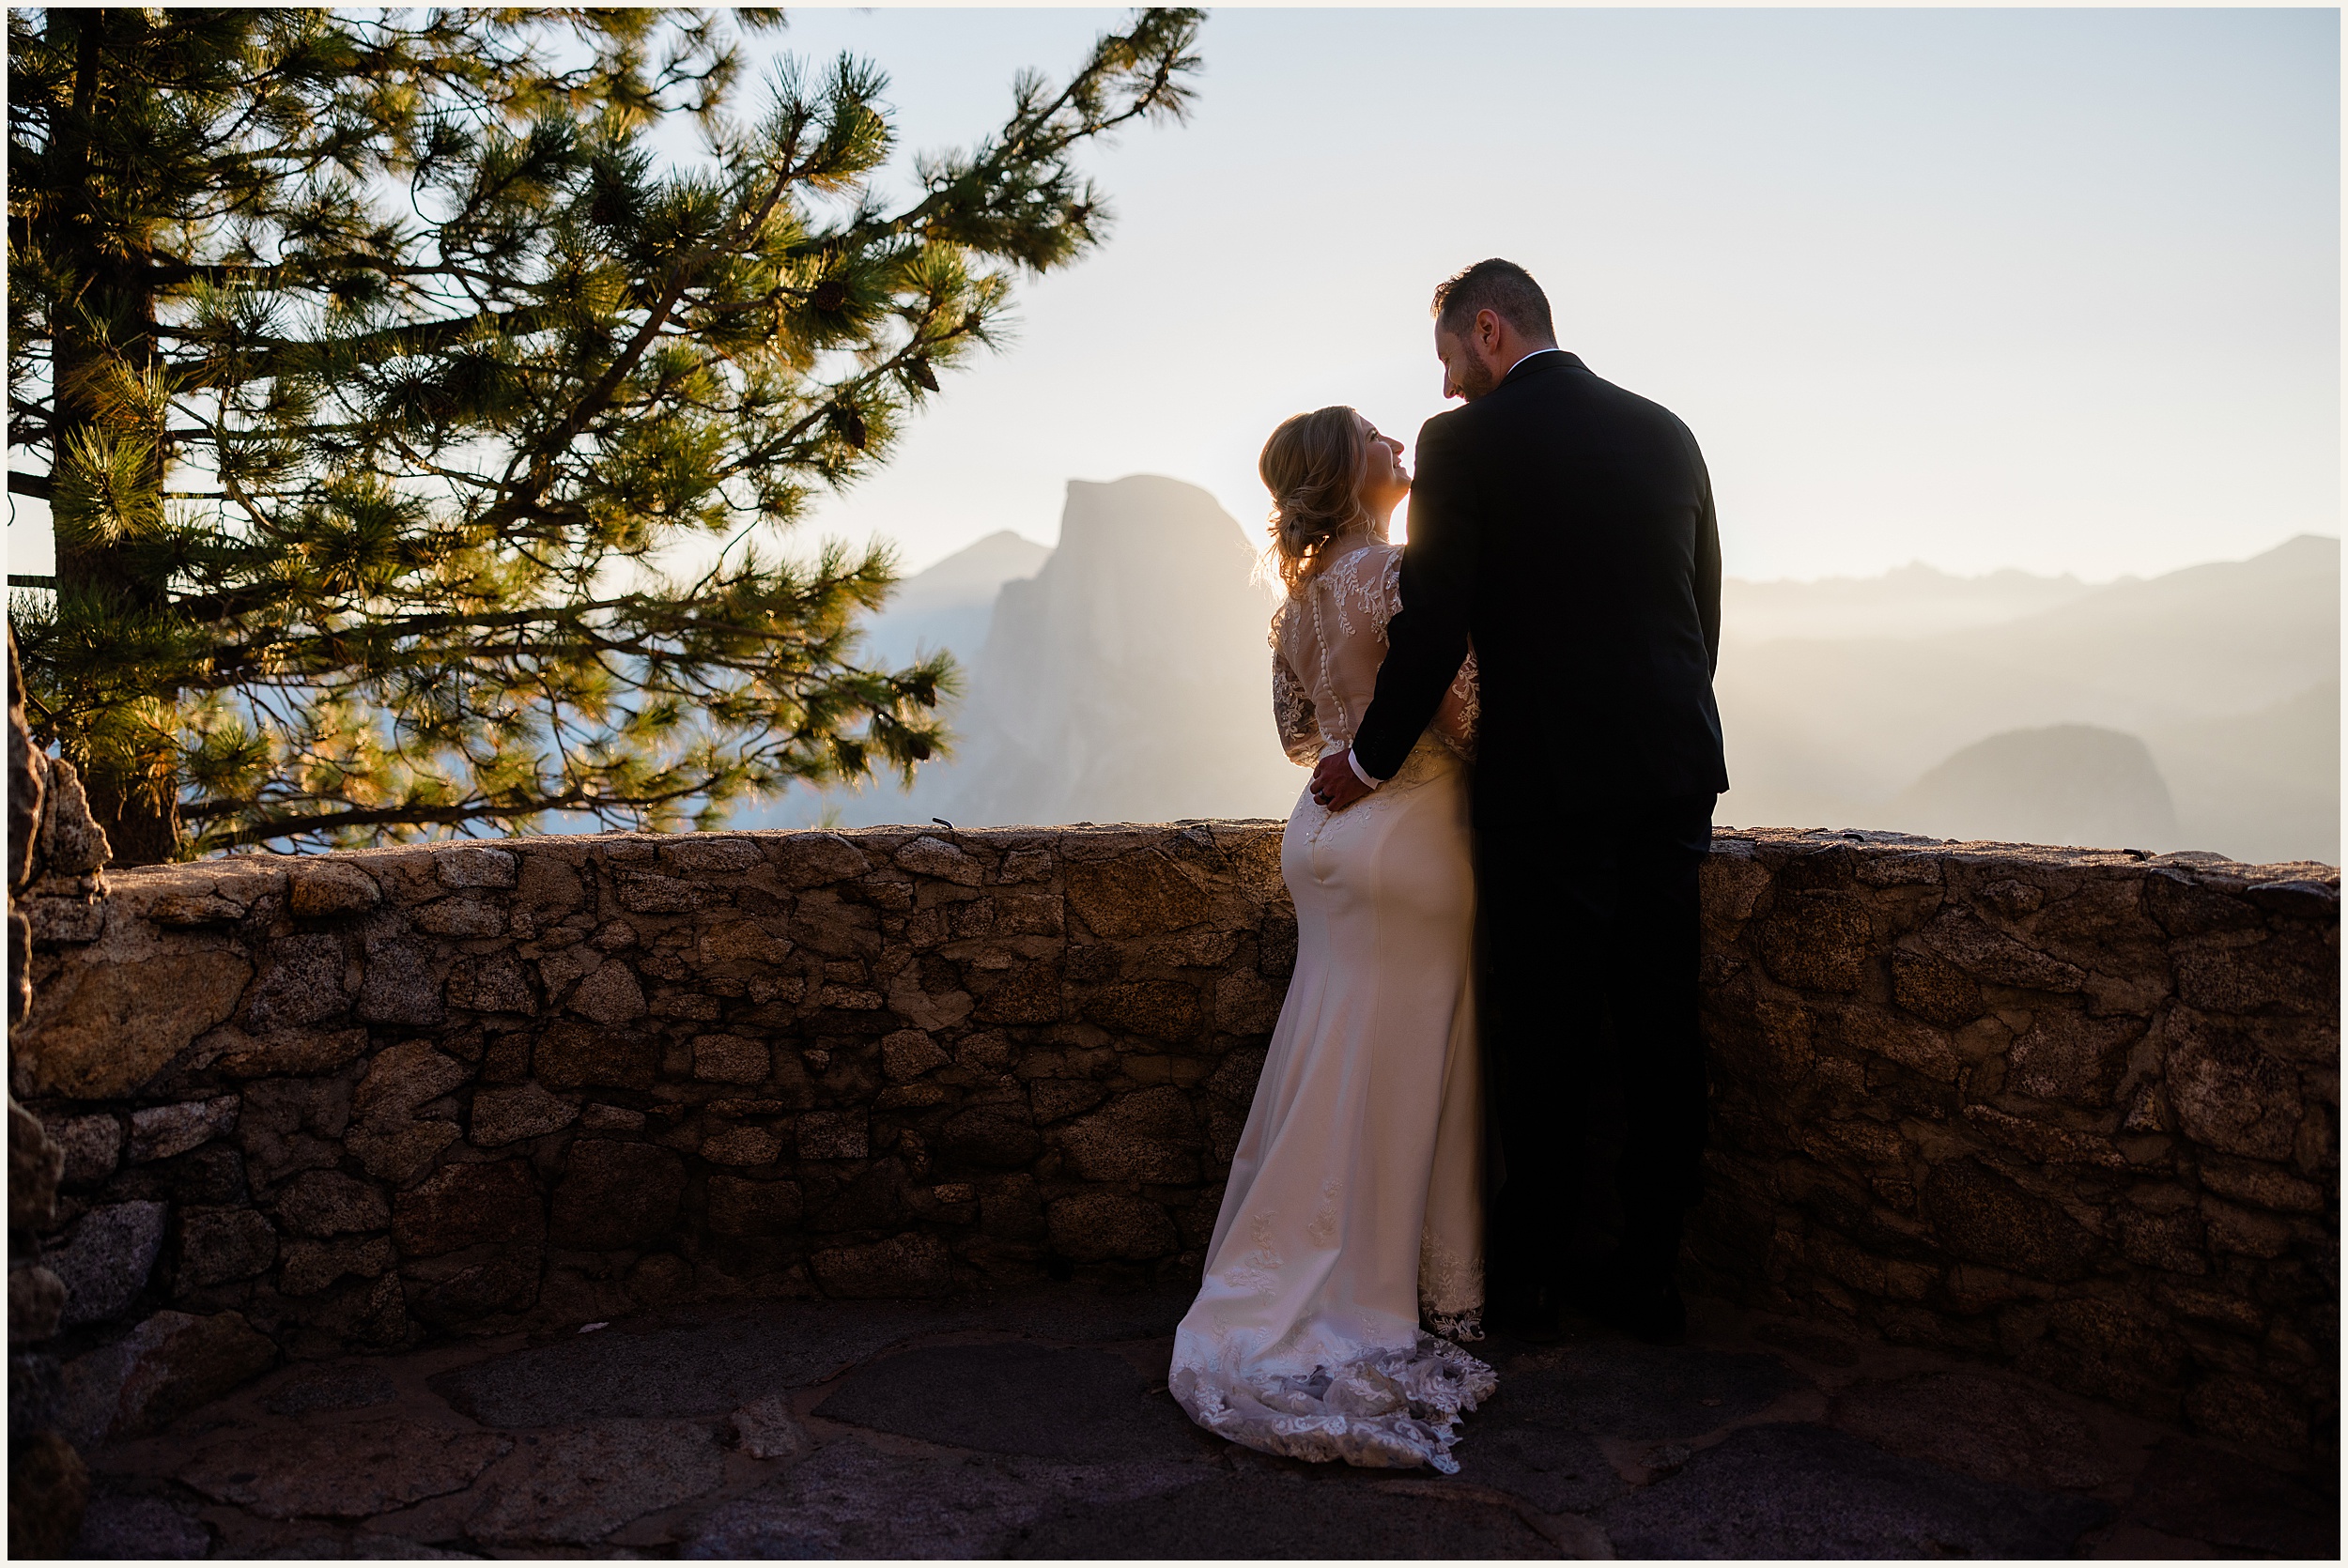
(1036, 1423)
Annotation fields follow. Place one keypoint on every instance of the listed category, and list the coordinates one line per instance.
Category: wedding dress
(1354, 1205)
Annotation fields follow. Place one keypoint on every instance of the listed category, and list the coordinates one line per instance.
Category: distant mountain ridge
(1123, 677)
(1826, 731)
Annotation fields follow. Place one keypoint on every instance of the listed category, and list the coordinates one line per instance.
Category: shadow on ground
(1037, 1424)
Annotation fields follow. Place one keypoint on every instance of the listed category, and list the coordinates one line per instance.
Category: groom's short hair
(1499, 286)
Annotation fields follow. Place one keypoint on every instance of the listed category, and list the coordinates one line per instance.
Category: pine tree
(369, 361)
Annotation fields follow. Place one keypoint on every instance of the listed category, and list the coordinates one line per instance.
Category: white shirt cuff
(1355, 762)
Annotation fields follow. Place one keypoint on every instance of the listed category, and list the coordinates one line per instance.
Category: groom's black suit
(1567, 527)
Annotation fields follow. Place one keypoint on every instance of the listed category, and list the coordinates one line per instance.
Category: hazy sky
(2038, 289)
(2051, 289)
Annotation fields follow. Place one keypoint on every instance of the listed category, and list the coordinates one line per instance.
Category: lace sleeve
(1292, 712)
(1462, 711)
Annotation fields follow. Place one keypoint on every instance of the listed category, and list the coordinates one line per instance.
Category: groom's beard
(1475, 381)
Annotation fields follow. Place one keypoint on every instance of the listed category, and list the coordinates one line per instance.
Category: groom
(1565, 525)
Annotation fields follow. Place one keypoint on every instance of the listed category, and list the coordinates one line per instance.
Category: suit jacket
(1567, 527)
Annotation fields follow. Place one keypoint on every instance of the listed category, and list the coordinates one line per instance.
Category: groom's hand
(1335, 785)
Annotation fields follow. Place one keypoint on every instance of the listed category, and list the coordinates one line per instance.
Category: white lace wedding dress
(1355, 1207)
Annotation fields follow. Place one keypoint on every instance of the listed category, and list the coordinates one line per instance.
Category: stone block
(287, 1125)
(163, 1132)
(931, 856)
(617, 1194)
(2067, 1056)
(611, 996)
(399, 1155)
(572, 1056)
(475, 866)
(610, 1118)
(461, 918)
(104, 1260)
(72, 843)
(2286, 972)
(1818, 941)
(1917, 1047)
(100, 1031)
(2243, 1409)
(1150, 1135)
(92, 1146)
(347, 1471)
(36, 1304)
(1027, 866)
(1246, 1004)
(998, 1136)
(2266, 1185)
(1983, 1217)
(501, 1116)
(1057, 1099)
(218, 1245)
(742, 1146)
(650, 893)
(912, 1265)
(2245, 1230)
(328, 1203)
(703, 854)
(730, 1059)
(1960, 936)
(579, 1484)
(399, 986)
(1156, 1009)
(36, 1164)
(181, 911)
(1093, 1227)
(323, 889)
(466, 1206)
(2228, 1093)
(401, 1080)
(753, 1208)
(834, 1135)
(311, 1267)
(813, 859)
(291, 1053)
(1936, 989)
(51, 923)
(171, 1363)
(1141, 894)
(908, 1054)
(490, 983)
(740, 940)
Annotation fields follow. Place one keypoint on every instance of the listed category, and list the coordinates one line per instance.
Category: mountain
(1831, 731)
(949, 604)
(1127, 679)
(2065, 784)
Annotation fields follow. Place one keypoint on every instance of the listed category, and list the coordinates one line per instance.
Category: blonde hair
(1313, 466)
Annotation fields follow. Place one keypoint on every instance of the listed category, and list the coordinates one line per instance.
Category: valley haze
(1124, 676)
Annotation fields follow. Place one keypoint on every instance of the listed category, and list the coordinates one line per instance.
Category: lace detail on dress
(1450, 1284)
(1461, 716)
(1292, 712)
(1389, 1409)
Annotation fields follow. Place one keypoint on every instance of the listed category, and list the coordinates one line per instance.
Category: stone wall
(2071, 1111)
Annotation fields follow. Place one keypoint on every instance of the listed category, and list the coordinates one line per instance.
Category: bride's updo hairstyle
(1313, 466)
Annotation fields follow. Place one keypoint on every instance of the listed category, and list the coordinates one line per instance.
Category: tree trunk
(139, 810)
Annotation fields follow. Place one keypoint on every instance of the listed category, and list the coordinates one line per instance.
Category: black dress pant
(1592, 941)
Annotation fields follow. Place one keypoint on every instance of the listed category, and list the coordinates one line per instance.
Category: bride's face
(1385, 482)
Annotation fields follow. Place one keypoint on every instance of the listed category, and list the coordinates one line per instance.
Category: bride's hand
(1335, 785)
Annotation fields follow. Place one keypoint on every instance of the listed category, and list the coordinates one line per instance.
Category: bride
(1353, 1214)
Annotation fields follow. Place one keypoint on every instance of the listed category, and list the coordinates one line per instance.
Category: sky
(2057, 290)
(2048, 289)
